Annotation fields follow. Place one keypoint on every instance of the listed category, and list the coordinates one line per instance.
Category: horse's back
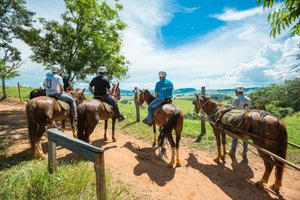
(94, 108)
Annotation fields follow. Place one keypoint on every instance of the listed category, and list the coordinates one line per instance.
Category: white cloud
(230, 14)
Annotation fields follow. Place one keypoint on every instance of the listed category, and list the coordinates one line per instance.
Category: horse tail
(32, 123)
(166, 131)
(81, 121)
(281, 151)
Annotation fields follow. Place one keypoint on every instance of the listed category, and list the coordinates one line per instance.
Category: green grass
(75, 180)
(13, 92)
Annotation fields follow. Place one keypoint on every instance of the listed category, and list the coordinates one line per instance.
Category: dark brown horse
(265, 130)
(43, 111)
(169, 117)
(91, 111)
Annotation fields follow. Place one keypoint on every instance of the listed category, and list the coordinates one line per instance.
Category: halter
(209, 116)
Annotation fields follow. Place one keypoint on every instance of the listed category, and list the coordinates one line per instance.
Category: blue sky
(217, 44)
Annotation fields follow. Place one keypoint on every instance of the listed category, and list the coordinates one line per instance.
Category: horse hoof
(222, 158)
(153, 144)
(259, 185)
(178, 165)
(170, 165)
(105, 139)
(114, 140)
(275, 188)
(216, 160)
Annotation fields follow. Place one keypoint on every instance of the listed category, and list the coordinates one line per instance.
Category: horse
(265, 130)
(42, 112)
(169, 117)
(91, 111)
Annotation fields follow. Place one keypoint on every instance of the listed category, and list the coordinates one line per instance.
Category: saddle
(107, 107)
(230, 116)
(157, 108)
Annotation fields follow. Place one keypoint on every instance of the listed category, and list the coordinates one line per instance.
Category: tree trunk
(3, 89)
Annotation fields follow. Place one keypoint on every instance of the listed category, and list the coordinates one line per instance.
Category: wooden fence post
(52, 164)
(136, 102)
(202, 123)
(20, 95)
(100, 177)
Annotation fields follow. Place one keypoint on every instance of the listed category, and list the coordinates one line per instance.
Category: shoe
(121, 118)
(145, 121)
(231, 154)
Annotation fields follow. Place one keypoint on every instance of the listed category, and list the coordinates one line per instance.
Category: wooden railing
(85, 150)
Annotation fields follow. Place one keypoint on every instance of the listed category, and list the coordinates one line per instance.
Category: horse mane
(151, 97)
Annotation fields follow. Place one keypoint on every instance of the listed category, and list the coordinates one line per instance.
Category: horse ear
(118, 84)
(140, 90)
(83, 90)
(196, 94)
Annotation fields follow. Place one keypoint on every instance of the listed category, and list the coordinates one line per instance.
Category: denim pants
(234, 145)
(153, 104)
(71, 101)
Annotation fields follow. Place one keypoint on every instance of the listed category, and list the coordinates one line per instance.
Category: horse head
(78, 95)
(201, 102)
(115, 91)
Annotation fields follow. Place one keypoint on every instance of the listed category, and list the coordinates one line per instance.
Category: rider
(241, 102)
(101, 87)
(55, 88)
(163, 90)
(67, 83)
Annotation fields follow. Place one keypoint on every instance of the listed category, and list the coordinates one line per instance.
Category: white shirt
(52, 84)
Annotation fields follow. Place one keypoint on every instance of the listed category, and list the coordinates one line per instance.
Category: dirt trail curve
(135, 163)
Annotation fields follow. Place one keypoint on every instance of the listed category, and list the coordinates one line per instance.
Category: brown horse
(43, 111)
(91, 111)
(265, 130)
(169, 117)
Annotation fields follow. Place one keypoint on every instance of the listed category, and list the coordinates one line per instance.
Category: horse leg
(105, 130)
(113, 129)
(269, 164)
(178, 137)
(63, 125)
(278, 174)
(217, 136)
(38, 151)
(154, 136)
(73, 127)
(223, 136)
(172, 143)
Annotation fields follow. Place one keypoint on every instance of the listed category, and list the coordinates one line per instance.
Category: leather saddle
(108, 107)
(157, 108)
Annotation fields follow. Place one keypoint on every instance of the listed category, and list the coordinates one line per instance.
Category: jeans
(111, 101)
(153, 104)
(71, 101)
(234, 145)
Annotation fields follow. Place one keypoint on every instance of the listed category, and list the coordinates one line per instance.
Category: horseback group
(265, 130)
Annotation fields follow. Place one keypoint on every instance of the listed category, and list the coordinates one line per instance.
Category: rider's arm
(91, 89)
(156, 94)
(61, 88)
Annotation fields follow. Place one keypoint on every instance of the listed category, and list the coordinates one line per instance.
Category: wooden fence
(85, 150)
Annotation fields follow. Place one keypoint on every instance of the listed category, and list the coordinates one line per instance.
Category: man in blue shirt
(241, 102)
(163, 90)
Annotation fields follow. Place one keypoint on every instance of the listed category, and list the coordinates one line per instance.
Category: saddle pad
(233, 117)
(107, 107)
(64, 105)
(159, 107)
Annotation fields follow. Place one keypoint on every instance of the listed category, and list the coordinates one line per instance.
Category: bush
(279, 111)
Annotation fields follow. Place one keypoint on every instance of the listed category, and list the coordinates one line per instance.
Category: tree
(8, 66)
(14, 17)
(288, 14)
(88, 37)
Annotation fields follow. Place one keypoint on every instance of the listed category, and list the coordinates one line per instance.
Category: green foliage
(88, 37)
(283, 17)
(279, 111)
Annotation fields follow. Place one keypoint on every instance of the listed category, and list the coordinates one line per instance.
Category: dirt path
(134, 162)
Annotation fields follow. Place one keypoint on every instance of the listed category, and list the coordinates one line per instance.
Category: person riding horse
(163, 91)
(101, 87)
(55, 88)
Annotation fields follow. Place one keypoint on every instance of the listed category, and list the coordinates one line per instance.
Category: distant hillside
(184, 90)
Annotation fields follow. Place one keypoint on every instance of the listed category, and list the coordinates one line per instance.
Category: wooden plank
(136, 102)
(259, 148)
(52, 163)
(203, 129)
(100, 177)
(20, 95)
(79, 147)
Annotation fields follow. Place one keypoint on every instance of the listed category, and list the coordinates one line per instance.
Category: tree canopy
(286, 16)
(87, 37)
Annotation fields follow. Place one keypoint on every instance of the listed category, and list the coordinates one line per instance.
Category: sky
(216, 44)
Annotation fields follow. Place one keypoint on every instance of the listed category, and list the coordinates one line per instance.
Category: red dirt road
(135, 163)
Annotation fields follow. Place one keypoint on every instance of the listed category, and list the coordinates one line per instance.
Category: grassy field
(30, 179)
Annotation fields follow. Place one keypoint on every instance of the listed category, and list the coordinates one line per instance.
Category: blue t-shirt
(164, 88)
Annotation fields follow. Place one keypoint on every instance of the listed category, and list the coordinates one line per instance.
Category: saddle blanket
(231, 116)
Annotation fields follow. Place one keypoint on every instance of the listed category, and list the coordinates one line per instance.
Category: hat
(239, 89)
(162, 74)
(102, 70)
(55, 68)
